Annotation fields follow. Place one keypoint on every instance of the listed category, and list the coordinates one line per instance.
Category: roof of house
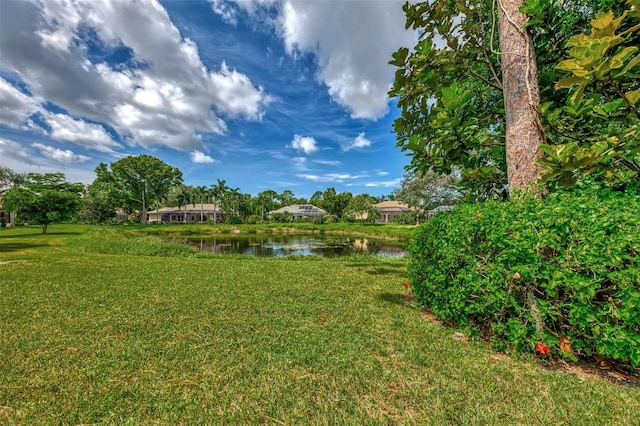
(300, 209)
(392, 206)
(188, 208)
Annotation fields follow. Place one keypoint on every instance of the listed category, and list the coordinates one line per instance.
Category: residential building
(300, 211)
(185, 214)
(391, 209)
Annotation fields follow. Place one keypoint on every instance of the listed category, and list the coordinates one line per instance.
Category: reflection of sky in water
(286, 245)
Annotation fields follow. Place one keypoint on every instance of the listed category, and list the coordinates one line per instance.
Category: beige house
(391, 209)
(186, 214)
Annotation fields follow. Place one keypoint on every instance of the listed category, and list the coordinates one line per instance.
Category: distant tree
(267, 200)
(361, 208)
(427, 191)
(316, 199)
(10, 179)
(102, 199)
(140, 181)
(45, 199)
(334, 202)
(286, 198)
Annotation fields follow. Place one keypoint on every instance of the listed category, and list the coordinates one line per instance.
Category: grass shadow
(393, 298)
(400, 270)
(16, 246)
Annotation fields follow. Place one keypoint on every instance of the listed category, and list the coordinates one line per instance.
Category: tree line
(139, 184)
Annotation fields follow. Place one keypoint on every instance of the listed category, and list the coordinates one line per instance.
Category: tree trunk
(521, 97)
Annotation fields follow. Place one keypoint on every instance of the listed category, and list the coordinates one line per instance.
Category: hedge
(559, 275)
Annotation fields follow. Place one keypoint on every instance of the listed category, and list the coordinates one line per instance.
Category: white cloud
(236, 95)
(382, 173)
(384, 184)
(330, 177)
(305, 144)
(227, 11)
(59, 155)
(353, 42)
(327, 162)
(79, 132)
(358, 143)
(13, 153)
(162, 94)
(201, 158)
(15, 106)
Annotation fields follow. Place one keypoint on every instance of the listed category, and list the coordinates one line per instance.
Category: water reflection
(285, 245)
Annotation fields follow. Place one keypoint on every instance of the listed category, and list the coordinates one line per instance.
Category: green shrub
(566, 269)
(405, 218)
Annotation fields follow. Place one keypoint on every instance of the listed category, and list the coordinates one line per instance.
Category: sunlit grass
(92, 335)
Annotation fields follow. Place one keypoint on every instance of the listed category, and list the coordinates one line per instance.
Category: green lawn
(92, 336)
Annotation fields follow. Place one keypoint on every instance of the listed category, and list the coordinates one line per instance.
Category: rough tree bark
(521, 97)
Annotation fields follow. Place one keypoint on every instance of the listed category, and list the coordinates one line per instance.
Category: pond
(285, 245)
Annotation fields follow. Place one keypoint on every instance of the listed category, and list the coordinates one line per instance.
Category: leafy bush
(405, 218)
(564, 271)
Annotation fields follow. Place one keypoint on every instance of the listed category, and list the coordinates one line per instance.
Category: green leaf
(610, 107)
(399, 57)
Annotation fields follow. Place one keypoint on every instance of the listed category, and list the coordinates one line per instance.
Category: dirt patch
(591, 368)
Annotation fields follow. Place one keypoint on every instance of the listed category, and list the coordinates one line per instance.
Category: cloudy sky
(271, 94)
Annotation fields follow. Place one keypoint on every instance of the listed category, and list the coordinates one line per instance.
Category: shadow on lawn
(394, 298)
(17, 246)
(400, 270)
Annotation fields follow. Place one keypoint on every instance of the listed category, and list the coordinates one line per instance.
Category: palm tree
(266, 199)
(219, 192)
(200, 193)
(184, 197)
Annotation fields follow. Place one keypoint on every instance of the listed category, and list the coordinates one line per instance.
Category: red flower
(542, 348)
(406, 285)
(516, 276)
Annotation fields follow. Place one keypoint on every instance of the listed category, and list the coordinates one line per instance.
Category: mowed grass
(89, 335)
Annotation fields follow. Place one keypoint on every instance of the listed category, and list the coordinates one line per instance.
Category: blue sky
(271, 94)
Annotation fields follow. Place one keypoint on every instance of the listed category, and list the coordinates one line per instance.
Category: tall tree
(45, 199)
(524, 132)
(103, 198)
(141, 180)
(455, 112)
